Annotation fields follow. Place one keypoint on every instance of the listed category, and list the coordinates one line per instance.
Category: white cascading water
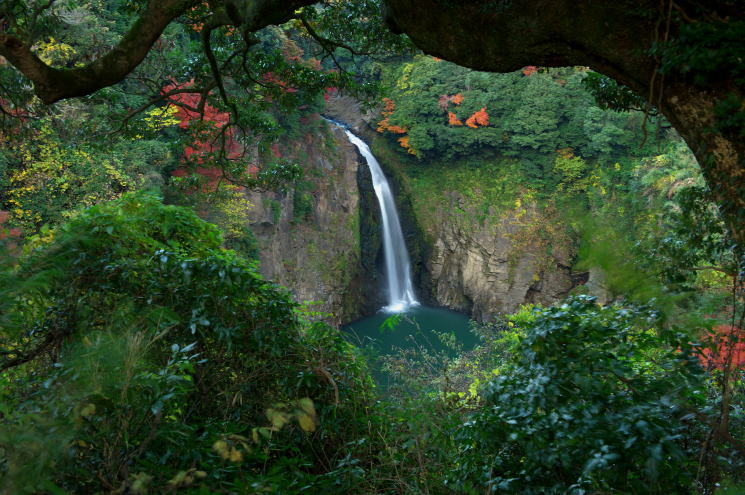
(397, 265)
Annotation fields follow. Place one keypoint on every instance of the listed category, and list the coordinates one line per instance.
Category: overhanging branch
(53, 84)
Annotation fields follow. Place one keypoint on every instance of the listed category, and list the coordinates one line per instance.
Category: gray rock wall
(485, 269)
(317, 256)
(461, 261)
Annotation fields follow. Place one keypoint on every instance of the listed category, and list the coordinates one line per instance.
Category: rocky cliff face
(309, 236)
(495, 266)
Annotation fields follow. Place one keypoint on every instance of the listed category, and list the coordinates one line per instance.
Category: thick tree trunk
(611, 37)
(53, 84)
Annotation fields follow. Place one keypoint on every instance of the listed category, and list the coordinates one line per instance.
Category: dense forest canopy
(142, 351)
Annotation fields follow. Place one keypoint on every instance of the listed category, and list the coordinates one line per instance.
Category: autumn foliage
(209, 135)
(453, 119)
(207, 139)
(727, 345)
(272, 79)
(480, 118)
(389, 106)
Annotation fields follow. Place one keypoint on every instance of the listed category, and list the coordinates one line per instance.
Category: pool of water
(420, 327)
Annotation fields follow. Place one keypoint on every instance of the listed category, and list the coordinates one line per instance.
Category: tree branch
(328, 44)
(53, 84)
(218, 19)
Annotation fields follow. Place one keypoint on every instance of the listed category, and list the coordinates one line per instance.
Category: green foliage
(133, 343)
(276, 209)
(139, 356)
(598, 398)
(227, 207)
(730, 116)
(103, 406)
(705, 51)
(656, 233)
(609, 95)
(358, 27)
(572, 171)
(302, 201)
(546, 111)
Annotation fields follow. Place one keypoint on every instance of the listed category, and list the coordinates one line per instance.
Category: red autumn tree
(726, 345)
(272, 79)
(209, 135)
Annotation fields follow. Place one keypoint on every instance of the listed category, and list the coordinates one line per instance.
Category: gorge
(335, 255)
(273, 247)
(395, 253)
(416, 327)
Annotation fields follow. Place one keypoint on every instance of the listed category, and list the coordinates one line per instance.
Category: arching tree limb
(53, 84)
(614, 38)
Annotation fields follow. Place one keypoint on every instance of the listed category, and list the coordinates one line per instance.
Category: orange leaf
(480, 118)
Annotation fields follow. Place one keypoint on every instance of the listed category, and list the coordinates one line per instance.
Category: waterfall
(397, 265)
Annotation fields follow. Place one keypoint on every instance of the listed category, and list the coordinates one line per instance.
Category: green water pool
(420, 327)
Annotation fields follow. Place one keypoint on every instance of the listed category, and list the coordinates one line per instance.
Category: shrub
(598, 398)
(136, 353)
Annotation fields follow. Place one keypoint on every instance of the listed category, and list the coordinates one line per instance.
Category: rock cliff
(309, 235)
(473, 255)
(495, 266)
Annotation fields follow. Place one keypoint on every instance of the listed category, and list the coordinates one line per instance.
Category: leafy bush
(598, 398)
(135, 353)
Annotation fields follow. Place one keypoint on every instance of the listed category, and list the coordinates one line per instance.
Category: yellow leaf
(235, 455)
(140, 483)
(278, 418)
(88, 410)
(306, 422)
(221, 447)
(307, 405)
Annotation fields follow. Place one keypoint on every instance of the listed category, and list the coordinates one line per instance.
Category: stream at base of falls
(419, 328)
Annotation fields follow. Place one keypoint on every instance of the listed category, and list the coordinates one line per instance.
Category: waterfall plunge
(397, 265)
